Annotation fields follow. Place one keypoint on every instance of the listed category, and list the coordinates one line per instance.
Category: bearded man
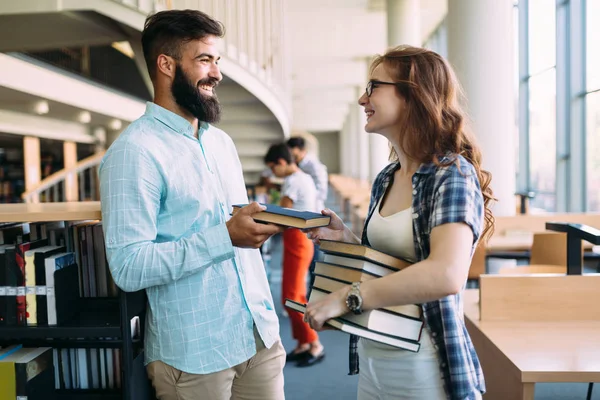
(167, 186)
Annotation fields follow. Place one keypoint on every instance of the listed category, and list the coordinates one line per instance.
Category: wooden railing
(79, 183)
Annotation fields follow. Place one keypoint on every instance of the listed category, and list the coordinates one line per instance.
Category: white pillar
(362, 138)
(345, 148)
(353, 141)
(404, 22)
(480, 49)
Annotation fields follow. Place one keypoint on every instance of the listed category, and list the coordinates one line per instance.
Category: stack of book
(344, 263)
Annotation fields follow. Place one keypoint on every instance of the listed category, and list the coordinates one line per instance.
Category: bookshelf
(91, 320)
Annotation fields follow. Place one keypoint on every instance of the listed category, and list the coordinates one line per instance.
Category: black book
(40, 280)
(66, 289)
(12, 276)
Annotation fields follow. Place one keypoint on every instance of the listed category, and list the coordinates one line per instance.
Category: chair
(549, 248)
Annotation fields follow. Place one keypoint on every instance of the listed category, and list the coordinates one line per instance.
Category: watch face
(352, 302)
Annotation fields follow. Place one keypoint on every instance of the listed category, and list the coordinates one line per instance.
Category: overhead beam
(31, 125)
(27, 76)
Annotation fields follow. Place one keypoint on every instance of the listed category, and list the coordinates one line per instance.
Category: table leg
(528, 391)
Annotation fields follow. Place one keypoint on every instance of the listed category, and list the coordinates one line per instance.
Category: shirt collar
(174, 121)
(425, 168)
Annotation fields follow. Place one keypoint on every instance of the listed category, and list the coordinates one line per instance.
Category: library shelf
(88, 322)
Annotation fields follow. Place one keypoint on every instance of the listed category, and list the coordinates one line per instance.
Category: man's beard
(188, 96)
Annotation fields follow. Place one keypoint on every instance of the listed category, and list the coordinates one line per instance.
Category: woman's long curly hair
(434, 119)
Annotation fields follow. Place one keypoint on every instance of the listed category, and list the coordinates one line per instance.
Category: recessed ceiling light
(41, 107)
(115, 124)
(84, 117)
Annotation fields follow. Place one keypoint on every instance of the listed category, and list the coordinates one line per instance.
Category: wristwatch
(354, 300)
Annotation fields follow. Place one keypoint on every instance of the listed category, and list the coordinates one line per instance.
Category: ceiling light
(84, 117)
(123, 47)
(41, 107)
(115, 124)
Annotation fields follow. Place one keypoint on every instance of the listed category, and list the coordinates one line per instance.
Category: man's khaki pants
(259, 378)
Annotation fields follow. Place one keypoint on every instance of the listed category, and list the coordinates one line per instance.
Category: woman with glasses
(430, 206)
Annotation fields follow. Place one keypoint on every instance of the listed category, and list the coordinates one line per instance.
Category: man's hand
(245, 232)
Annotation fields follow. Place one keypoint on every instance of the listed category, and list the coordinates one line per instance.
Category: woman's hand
(336, 230)
(328, 307)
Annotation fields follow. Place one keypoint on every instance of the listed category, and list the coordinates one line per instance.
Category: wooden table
(515, 355)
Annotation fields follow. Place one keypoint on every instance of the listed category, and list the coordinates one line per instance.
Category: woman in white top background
(430, 206)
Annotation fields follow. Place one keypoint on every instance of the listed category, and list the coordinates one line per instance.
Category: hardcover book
(382, 321)
(361, 252)
(357, 330)
(287, 217)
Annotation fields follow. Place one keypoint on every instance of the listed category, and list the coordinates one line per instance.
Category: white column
(362, 139)
(480, 49)
(404, 22)
(353, 142)
(345, 148)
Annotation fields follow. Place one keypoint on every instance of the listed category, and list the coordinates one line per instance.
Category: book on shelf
(287, 217)
(35, 278)
(353, 251)
(27, 373)
(329, 285)
(357, 330)
(43, 268)
(382, 321)
(52, 264)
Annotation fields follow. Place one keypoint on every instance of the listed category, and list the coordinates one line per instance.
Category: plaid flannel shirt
(441, 195)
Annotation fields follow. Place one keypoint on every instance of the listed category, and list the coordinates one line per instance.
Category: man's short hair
(277, 152)
(166, 31)
(296, 142)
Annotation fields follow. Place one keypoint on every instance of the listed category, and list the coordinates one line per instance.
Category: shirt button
(434, 334)
(414, 191)
(415, 216)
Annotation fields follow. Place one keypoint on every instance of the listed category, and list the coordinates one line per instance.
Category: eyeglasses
(373, 84)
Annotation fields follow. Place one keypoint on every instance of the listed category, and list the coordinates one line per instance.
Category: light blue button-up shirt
(165, 199)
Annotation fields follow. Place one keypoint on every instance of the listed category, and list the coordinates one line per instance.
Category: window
(592, 105)
(592, 40)
(542, 102)
(542, 138)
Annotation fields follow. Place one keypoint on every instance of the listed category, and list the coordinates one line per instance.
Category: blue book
(287, 217)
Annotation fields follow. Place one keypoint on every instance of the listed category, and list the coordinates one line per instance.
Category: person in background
(167, 188)
(431, 206)
(311, 165)
(298, 192)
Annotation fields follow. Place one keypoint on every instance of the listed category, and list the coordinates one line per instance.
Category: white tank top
(393, 234)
